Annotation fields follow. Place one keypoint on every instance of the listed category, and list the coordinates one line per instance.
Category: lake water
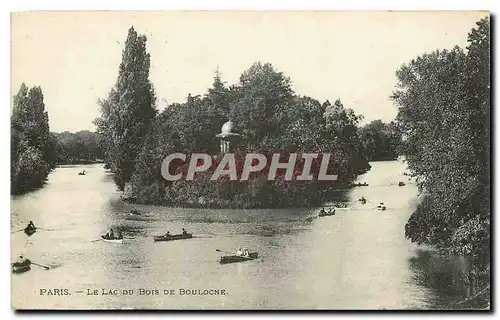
(357, 259)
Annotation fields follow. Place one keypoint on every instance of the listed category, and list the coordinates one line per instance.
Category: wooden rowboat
(29, 231)
(327, 213)
(112, 240)
(232, 259)
(173, 237)
(20, 267)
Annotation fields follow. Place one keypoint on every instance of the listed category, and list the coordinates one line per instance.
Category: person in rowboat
(184, 232)
(239, 253)
(31, 226)
(111, 234)
(120, 236)
(322, 211)
(246, 253)
(168, 235)
(20, 260)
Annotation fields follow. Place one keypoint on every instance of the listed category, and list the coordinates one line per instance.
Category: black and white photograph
(250, 160)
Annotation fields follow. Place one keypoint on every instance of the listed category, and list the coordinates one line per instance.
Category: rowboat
(173, 237)
(327, 213)
(232, 259)
(29, 231)
(364, 184)
(20, 267)
(112, 240)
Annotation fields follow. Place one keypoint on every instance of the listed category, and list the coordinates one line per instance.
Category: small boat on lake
(112, 237)
(324, 213)
(113, 240)
(235, 258)
(29, 231)
(20, 267)
(359, 184)
(169, 237)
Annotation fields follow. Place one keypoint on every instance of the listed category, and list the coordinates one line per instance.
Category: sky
(353, 56)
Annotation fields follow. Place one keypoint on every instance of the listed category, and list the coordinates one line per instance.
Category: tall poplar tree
(32, 147)
(128, 111)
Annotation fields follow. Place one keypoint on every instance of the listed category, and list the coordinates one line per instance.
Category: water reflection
(443, 275)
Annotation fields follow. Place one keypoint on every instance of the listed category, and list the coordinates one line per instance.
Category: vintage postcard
(250, 160)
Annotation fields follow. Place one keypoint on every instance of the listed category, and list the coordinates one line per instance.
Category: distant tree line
(266, 112)
(444, 112)
(381, 141)
(77, 148)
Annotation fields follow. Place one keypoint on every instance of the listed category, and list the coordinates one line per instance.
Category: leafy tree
(264, 93)
(444, 115)
(128, 111)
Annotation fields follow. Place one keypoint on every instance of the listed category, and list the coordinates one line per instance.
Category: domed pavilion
(227, 136)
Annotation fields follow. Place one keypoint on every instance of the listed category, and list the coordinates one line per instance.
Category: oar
(42, 266)
(219, 250)
(46, 229)
(18, 230)
(96, 240)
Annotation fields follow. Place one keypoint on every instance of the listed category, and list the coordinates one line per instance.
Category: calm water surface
(358, 258)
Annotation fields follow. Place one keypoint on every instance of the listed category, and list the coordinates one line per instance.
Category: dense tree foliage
(80, 147)
(270, 118)
(381, 141)
(32, 147)
(128, 111)
(444, 100)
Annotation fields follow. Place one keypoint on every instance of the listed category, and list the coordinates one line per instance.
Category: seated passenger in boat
(120, 236)
(239, 253)
(184, 232)
(20, 260)
(246, 253)
(168, 235)
(322, 211)
(111, 234)
(31, 226)
(106, 236)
